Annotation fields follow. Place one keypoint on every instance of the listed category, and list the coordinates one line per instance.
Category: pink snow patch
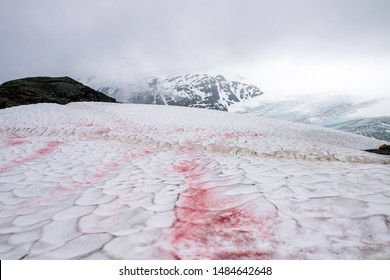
(186, 166)
(210, 225)
(88, 124)
(188, 143)
(15, 140)
(105, 169)
(103, 131)
(48, 148)
(11, 143)
(231, 135)
(100, 175)
(207, 228)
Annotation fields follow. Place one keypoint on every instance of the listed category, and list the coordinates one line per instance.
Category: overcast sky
(289, 46)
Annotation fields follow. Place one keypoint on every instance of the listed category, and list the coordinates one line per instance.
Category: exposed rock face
(61, 90)
(382, 150)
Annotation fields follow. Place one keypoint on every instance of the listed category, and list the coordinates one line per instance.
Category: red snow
(88, 124)
(103, 131)
(11, 143)
(106, 168)
(15, 140)
(48, 148)
(186, 166)
(209, 226)
(93, 178)
(231, 135)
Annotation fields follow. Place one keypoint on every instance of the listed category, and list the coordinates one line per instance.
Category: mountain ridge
(190, 90)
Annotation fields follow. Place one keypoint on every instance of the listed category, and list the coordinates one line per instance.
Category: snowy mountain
(200, 91)
(357, 114)
(341, 111)
(128, 181)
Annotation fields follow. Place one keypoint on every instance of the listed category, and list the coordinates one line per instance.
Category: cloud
(126, 39)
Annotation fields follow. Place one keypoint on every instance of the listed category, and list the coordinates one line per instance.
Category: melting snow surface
(123, 181)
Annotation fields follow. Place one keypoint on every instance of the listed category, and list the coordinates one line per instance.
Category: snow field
(122, 181)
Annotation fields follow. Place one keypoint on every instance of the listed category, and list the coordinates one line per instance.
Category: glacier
(129, 181)
(360, 113)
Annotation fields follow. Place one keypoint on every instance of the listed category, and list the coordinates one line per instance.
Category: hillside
(60, 90)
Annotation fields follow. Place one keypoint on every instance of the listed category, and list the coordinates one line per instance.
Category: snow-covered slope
(125, 181)
(201, 91)
(362, 115)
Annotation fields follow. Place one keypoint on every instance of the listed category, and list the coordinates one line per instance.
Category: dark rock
(382, 150)
(60, 90)
(384, 147)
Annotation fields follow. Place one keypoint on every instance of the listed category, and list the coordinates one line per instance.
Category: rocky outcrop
(382, 150)
(60, 90)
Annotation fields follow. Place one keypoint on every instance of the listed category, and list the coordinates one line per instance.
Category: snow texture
(124, 181)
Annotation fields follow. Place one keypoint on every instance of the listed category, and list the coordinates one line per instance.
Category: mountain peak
(191, 90)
